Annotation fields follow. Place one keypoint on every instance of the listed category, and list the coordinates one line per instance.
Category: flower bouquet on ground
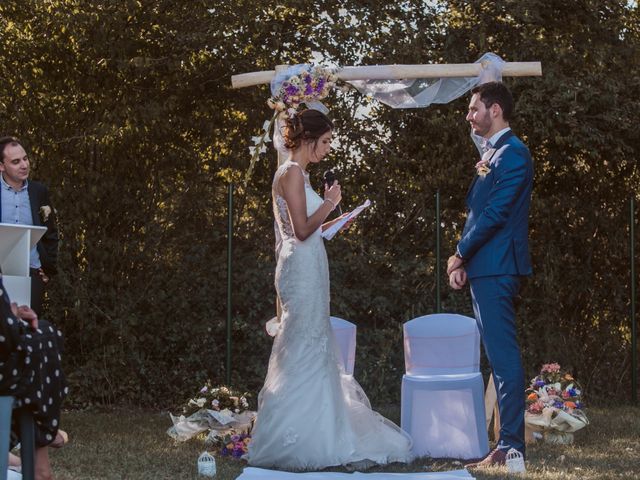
(222, 413)
(235, 445)
(554, 406)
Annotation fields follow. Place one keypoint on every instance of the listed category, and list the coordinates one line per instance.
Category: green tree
(127, 110)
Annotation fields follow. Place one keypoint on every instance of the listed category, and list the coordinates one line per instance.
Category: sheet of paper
(330, 232)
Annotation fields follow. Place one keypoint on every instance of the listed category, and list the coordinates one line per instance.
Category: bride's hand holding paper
(328, 224)
(349, 221)
(343, 222)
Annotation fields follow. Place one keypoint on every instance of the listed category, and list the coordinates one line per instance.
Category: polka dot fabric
(30, 370)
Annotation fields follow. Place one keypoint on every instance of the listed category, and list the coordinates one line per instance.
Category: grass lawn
(133, 445)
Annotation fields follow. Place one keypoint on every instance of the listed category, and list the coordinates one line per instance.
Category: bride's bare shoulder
(290, 172)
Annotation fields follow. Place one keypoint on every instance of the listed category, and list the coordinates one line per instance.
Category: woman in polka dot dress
(30, 371)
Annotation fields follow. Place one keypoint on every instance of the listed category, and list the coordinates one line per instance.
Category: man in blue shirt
(26, 202)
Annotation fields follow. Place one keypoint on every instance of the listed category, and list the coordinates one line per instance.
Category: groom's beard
(482, 127)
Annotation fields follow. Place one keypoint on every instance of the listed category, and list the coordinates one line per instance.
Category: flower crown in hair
(297, 85)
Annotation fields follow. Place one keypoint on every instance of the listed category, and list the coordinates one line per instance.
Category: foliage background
(127, 111)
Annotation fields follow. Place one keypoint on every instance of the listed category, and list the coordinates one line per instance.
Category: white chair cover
(443, 343)
(345, 334)
(443, 391)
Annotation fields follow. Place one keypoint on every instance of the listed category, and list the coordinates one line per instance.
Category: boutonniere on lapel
(45, 211)
(482, 168)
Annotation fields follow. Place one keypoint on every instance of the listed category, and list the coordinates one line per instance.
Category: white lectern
(16, 242)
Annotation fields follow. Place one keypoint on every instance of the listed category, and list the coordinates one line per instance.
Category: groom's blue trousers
(493, 304)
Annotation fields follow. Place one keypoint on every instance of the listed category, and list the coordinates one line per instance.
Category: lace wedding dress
(311, 414)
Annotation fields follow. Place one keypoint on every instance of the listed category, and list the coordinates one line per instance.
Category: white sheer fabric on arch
(422, 92)
(312, 415)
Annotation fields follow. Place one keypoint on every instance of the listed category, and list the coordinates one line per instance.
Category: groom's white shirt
(496, 136)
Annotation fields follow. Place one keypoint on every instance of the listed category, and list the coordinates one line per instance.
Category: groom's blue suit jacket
(495, 236)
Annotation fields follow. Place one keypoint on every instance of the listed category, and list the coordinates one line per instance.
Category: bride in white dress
(311, 415)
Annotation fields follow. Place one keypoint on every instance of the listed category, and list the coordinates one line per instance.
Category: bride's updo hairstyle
(305, 126)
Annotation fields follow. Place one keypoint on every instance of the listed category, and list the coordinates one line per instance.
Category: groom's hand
(457, 278)
(453, 264)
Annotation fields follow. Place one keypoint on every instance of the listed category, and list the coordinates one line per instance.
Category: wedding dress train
(311, 415)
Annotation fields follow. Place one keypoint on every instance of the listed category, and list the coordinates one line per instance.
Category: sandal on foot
(62, 438)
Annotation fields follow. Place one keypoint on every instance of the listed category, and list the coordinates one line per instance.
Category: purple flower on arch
(291, 90)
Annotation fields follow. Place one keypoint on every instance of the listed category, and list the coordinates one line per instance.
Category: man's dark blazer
(48, 244)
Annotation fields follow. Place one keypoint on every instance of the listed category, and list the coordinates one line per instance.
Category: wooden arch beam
(400, 72)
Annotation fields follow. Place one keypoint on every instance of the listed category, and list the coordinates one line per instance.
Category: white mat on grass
(251, 473)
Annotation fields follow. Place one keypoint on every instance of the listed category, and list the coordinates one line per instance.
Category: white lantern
(515, 461)
(207, 465)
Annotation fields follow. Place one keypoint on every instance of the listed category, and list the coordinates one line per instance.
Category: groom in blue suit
(493, 253)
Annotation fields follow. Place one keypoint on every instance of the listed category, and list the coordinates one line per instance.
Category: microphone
(330, 177)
